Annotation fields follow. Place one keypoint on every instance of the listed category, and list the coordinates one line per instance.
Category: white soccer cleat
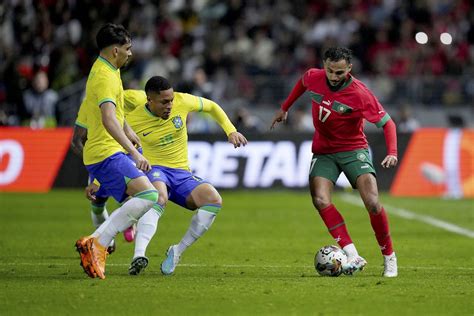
(390, 266)
(171, 261)
(353, 265)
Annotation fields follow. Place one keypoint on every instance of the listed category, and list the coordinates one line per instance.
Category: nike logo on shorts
(144, 134)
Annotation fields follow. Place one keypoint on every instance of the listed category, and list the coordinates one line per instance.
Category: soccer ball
(329, 260)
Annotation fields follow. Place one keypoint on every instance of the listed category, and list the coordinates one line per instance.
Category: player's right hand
(280, 116)
(141, 162)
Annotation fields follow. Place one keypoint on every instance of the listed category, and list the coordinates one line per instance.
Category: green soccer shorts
(353, 163)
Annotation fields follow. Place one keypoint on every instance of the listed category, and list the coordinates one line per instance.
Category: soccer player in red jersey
(340, 103)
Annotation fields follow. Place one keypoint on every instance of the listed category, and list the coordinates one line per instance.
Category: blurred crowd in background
(245, 55)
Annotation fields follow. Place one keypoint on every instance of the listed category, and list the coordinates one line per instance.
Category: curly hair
(338, 53)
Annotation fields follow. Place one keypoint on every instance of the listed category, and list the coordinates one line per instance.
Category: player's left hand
(90, 191)
(237, 139)
(389, 161)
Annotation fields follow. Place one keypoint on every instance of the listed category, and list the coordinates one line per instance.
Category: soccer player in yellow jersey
(98, 209)
(160, 122)
(104, 155)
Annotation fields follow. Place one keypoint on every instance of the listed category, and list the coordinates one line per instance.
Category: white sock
(350, 251)
(390, 255)
(200, 223)
(122, 218)
(146, 228)
(98, 219)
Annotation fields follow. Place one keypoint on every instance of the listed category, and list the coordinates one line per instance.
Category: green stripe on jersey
(201, 106)
(383, 120)
(107, 100)
(341, 107)
(80, 124)
(316, 97)
(105, 61)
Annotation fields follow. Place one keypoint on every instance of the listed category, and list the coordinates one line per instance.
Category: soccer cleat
(137, 265)
(353, 265)
(99, 255)
(129, 233)
(112, 246)
(93, 256)
(85, 257)
(390, 266)
(171, 261)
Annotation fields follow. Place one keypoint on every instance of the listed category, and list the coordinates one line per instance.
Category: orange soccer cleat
(93, 256)
(85, 257)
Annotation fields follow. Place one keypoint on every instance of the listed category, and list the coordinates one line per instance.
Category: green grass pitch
(257, 259)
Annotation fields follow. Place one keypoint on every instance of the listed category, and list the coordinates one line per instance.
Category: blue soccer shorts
(113, 174)
(180, 182)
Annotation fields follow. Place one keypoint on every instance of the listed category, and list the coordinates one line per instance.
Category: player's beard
(126, 64)
(336, 86)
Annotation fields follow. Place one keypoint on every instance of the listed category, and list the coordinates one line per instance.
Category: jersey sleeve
(218, 115)
(107, 90)
(373, 111)
(81, 118)
(133, 98)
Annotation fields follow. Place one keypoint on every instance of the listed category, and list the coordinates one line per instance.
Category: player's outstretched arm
(280, 116)
(113, 127)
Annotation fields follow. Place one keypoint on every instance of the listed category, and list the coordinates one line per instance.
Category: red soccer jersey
(338, 116)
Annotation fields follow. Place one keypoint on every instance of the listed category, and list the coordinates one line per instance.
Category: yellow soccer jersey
(132, 99)
(81, 119)
(165, 142)
(103, 85)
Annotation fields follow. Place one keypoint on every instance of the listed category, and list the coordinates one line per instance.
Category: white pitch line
(231, 266)
(413, 216)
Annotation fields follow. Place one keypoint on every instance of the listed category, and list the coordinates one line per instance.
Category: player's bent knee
(320, 203)
(149, 195)
(215, 199)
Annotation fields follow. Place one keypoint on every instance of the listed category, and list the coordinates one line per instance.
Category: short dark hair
(338, 53)
(110, 34)
(156, 84)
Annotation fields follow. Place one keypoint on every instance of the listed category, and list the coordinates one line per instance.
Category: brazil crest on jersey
(103, 85)
(338, 116)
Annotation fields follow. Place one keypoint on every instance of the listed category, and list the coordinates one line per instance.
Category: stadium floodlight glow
(421, 38)
(446, 38)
